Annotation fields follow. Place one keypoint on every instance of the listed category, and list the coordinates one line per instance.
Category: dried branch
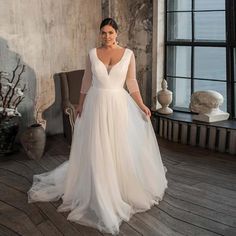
(18, 98)
(11, 81)
(8, 80)
(14, 71)
(18, 102)
(15, 101)
(11, 94)
(24, 88)
(17, 82)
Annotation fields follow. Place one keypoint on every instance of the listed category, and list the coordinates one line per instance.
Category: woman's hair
(109, 21)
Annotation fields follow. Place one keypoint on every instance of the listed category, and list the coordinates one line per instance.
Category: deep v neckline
(108, 72)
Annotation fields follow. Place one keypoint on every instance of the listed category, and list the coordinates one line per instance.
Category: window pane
(210, 63)
(200, 85)
(179, 5)
(209, 26)
(209, 5)
(181, 89)
(179, 26)
(179, 61)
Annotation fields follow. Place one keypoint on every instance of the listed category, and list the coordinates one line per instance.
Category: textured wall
(50, 36)
(135, 31)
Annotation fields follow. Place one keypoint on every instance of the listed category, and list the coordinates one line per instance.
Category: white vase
(164, 97)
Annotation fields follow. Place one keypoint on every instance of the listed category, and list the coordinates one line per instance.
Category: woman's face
(108, 35)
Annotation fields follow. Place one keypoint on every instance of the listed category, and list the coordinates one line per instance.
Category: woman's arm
(79, 107)
(86, 83)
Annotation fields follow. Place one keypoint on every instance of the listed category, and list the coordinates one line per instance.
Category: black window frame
(229, 45)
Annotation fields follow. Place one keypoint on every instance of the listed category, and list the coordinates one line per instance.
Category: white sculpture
(207, 103)
(164, 97)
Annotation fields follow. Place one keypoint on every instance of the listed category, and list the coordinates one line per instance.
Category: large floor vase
(33, 140)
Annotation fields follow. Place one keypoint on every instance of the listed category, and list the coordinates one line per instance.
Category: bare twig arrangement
(11, 92)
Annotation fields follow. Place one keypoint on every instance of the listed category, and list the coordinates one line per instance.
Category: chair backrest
(70, 85)
(70, 82)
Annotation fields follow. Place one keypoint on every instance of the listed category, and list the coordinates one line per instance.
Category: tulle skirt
(115, 167)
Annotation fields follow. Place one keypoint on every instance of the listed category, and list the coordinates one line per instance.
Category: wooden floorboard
(4, 231)
(200, 199)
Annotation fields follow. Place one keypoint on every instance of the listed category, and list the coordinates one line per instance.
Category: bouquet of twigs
(11, 92)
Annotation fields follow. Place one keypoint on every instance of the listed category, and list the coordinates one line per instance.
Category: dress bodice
(97, 74)
(115, 77)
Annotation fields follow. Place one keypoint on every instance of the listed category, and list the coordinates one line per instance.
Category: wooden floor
(200, 200)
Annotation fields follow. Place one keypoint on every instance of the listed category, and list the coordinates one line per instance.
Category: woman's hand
(79, 107)
(78, 110)
(146, 110)
(139, 101)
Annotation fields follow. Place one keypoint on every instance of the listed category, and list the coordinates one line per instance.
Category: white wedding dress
(115, 167)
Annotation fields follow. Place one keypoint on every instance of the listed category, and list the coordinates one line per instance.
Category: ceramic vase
(33, 140)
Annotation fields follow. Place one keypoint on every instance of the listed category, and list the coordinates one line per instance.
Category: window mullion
(229, 58)
(192, 50)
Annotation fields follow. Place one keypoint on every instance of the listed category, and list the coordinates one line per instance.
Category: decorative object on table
(11, 95)
(206, 104)
(33, 140)
(164, 97)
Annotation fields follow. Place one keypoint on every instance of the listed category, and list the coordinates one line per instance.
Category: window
(200, 50)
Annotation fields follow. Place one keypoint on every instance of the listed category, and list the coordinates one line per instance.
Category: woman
(115, 168)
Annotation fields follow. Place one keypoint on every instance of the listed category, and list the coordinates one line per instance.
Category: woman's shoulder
(129, 50)
(126, 48)
(92, 50)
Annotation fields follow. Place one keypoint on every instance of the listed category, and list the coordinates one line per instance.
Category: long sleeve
(87, 78)
(131, 81)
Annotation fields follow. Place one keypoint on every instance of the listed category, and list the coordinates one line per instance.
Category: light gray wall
(49, 36)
